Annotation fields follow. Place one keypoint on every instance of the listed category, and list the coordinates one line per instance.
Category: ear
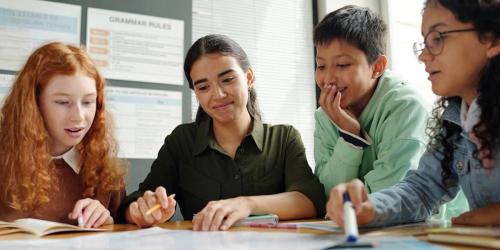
(379, 66)
(250, 77)
(494, 49)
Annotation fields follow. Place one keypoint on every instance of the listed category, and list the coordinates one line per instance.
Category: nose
(425, 56)
(219, 91)
(77, 113)
(329, 78)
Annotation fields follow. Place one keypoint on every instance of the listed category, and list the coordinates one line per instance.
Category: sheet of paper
(27, 24)
(6, 82)
(142, 119)
(157, 238)
(136, 47)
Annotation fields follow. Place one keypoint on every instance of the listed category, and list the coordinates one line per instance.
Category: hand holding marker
(350, 224)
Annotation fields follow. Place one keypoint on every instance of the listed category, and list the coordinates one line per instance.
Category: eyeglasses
(433, 41)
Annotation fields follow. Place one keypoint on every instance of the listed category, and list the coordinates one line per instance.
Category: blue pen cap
(346, 197)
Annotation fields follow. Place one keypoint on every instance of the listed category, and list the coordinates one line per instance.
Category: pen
(269, 225)
(350, 224)
(155, 207)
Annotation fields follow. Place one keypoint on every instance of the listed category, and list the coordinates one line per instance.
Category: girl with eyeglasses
(460, 53)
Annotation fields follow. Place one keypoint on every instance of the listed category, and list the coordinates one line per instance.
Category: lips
(223, 106)
(75, 131)
(432, 74)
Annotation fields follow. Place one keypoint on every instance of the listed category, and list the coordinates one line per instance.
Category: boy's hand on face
(329, 100)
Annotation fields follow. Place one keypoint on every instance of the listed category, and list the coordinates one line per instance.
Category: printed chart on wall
(5, 84)
(136, 47)
(27, 24)
(142, 119)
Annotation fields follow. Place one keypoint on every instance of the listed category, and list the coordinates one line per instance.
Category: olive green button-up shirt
(270, 160)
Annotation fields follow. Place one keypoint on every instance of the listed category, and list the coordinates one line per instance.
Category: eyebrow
(336, 57)
(66, 94)
(433, 27)
(218, 75)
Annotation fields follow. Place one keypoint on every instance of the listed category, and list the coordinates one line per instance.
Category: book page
(43, 227)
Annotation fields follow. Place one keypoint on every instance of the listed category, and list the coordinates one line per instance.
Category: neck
(233, 132)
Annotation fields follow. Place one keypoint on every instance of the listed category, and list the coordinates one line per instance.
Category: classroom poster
(136, 47)
(6, 82)
(142, 119)
(27, 24)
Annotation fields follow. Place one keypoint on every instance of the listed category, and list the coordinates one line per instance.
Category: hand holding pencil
(152, 208)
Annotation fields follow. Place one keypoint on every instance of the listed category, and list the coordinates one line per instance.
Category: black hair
(484, 15)
(356, 25)
(220, 44)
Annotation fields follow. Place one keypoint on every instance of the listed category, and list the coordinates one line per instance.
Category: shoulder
(283, 131)
(397, 94)
(183, 132)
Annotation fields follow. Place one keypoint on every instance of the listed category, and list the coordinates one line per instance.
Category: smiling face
(456, 70)
(347, 68)
(221, 87)
(68, 107)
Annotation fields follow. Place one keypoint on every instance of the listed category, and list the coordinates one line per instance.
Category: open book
(41, 227)
(474, 236)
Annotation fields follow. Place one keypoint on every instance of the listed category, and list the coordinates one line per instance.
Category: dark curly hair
(485, 16)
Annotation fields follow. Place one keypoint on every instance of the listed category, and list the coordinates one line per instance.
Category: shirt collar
(452, 112)
(204, 135)
(469, 116)
(72, 158)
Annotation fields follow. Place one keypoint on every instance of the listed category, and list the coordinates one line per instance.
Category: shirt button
(460, 165)
(236, 177)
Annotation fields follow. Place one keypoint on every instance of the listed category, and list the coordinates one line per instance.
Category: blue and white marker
(350, 224)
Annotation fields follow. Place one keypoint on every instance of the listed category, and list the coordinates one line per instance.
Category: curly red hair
(26, 169)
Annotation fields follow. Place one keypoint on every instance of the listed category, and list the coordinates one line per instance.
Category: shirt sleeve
(163, 173)
(401, 142)
(415, 198)
(298, 174)
(337, 160)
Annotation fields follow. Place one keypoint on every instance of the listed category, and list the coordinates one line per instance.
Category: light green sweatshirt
(394, 120)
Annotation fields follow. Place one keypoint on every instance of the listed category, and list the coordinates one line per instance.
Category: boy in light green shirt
(371, 124)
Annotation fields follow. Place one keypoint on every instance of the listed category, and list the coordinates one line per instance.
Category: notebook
(258, 219)
(41, 227)
(474, 236)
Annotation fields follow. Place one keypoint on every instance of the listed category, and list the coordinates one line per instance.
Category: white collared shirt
(72, 158)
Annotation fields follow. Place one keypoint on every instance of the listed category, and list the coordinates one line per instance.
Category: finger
(322, 96)
(135, 214)
(143, 207)
(330, 95)
(169, 212)
(208, 216)
(218, 218)
(161, 195)
(78, 208)
(230, 220)
(88, 212)
(357, 193)
(151, 203)
(102, 219)
(335, 203)
(336, 102)
(197, 220)
(98, 217)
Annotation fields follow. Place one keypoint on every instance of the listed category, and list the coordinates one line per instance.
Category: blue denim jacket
(421, 192)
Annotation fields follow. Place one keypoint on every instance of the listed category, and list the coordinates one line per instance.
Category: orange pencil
(155, 207)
